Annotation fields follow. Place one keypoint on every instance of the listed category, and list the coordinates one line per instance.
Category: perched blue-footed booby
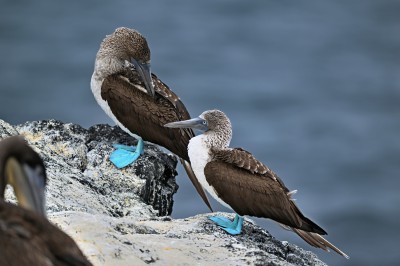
(236, 179)
(137, 101)
(26, 236)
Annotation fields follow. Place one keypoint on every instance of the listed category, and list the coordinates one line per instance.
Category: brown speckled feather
(243, 159)
(27, 238)
(250, 188)
(145, 116)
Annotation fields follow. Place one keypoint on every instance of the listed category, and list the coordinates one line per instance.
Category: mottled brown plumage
(255, 194)
(243, 159)
(26, 237)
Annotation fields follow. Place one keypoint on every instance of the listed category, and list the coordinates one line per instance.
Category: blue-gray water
(312, 89)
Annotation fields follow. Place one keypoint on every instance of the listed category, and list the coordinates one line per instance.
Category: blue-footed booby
(137, 101)
(236, 179)
(26, 236)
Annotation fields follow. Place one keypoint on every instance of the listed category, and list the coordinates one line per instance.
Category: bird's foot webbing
(125, 155)
(231, 227)
(124, 147)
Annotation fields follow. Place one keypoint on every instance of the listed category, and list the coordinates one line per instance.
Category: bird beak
(145, 73)
(196, 123)
(28, 184)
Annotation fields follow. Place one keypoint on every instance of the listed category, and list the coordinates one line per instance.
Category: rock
(119, 217)
(165, 241)
(83, 179)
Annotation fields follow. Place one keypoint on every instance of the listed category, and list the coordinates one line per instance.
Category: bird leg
(125, 155)
(231, 227)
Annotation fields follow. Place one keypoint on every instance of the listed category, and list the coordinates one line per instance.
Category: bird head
(213, 123)
(125, 48)
(23, 169)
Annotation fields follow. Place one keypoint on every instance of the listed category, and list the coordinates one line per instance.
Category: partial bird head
(125, 48)
(23, 169)
(213, 123)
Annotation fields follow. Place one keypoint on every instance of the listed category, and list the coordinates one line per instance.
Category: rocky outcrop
(120, 217)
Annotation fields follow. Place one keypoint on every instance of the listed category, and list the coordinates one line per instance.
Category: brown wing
(146, 116)
(195, 182)
(29, 239)
(242, 159)
(164, 91)
(254, 194)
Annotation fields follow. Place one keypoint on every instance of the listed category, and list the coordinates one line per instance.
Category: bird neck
(106, 66)
(219, 138)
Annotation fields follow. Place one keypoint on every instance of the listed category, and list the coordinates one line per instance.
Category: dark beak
(144, 71)
(196, 123)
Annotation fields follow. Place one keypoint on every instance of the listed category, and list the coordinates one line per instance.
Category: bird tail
(197, 185)
(316, 240)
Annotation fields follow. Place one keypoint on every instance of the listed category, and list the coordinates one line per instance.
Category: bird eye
(204, 122)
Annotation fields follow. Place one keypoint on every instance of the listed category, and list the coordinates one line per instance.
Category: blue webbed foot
(125, 155)
(231, 227)
(124, 147)
(221, 221)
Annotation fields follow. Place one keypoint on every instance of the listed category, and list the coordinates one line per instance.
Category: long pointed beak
(145, 73)
(196, 123)
(28, 185)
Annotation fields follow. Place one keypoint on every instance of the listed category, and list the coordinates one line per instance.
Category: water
(312, 89)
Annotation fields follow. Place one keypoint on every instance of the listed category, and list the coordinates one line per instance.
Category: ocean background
(312, 88)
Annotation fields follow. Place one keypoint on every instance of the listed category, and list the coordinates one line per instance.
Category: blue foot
(125, 155)
(221, 221)
(231, 227)
(124, 147)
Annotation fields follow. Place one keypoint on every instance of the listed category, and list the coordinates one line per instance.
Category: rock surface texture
(119, 217)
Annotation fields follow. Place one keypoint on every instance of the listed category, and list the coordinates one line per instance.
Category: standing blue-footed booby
(26, 236)
(236, 179)
(137, 101)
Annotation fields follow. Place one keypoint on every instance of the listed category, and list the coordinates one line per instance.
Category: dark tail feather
(310, 226)
(305, 223)
(196, 183)
(318, 241)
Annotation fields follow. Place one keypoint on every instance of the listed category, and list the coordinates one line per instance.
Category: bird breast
(199, 155)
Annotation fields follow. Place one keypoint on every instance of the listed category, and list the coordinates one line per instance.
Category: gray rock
(119, 217)
(81, 175)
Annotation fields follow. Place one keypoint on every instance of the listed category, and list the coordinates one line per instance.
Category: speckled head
(219, 128)
(124, 48)
(215, 124)
(216, 120)
(125, 44)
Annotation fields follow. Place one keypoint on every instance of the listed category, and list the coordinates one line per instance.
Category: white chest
(199, 157)
(95, 84)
